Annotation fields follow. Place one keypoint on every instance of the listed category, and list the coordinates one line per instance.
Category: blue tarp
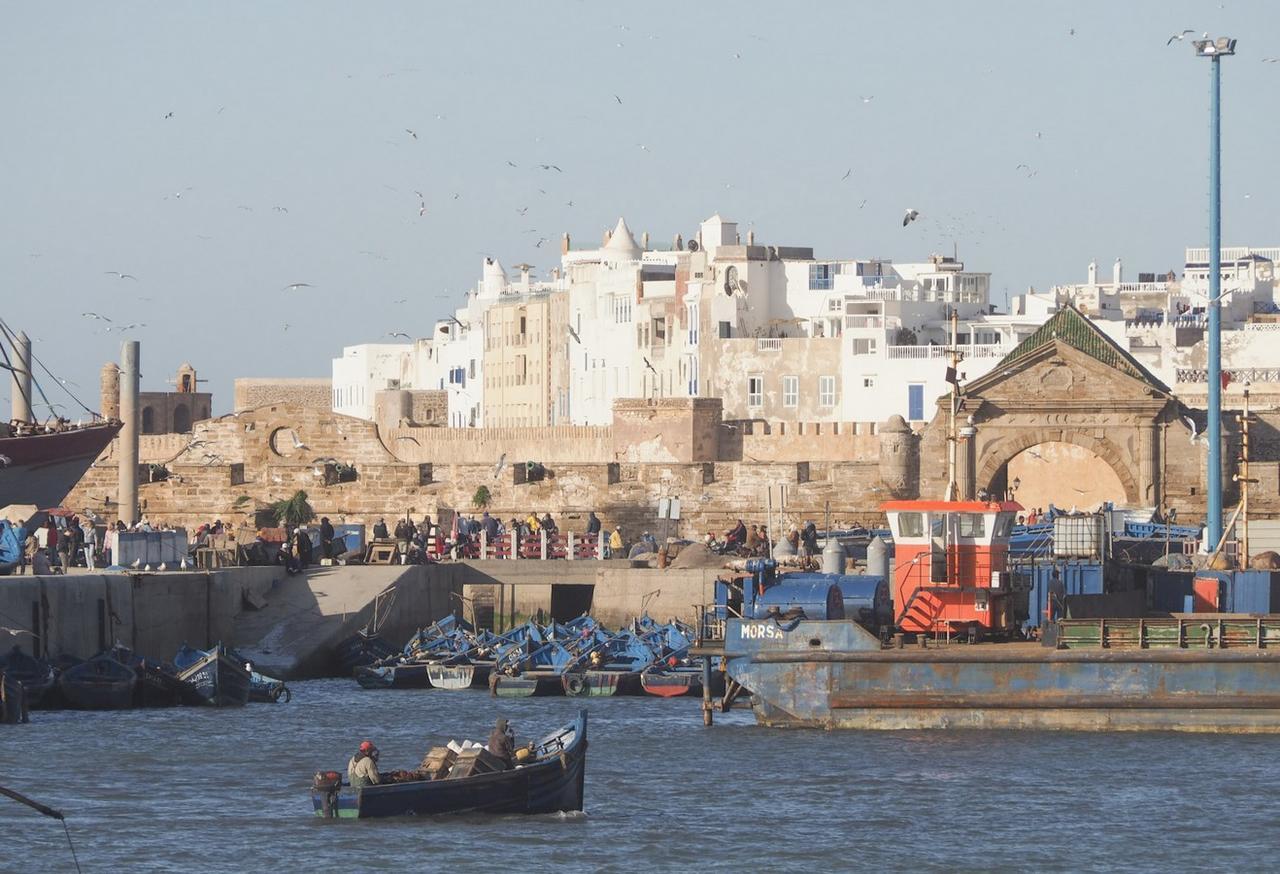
(11, 538)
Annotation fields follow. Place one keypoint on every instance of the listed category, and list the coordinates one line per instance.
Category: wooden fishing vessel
(101, 683)
(551, 781)
(219, 679)
(454, 677)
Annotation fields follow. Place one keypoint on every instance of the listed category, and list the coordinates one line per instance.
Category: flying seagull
(910, 216)
(1179, 36)
(550, 167)
(119, 275)
(649, 365)
(294, 286)
(1195, 435)
(398, 334)
(867, 99)
(297, 443)
(574, 334)
(280, 209)
(168, 114)
(95, 316)
(617, 98)
(411, 133)
(502, 462)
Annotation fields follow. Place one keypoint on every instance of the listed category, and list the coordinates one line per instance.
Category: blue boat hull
(218, 680)
(835, 675)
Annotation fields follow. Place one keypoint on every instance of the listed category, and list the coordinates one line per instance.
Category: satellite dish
(693, 245)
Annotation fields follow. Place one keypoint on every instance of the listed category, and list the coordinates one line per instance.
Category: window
(864, 345)
(820, 277)
(915, 402)
(726, 330)
(621, 309)
(691, 319)
(911, 524)
(693, 377)
(826, 391)
(471, 372)
(869, 381)
(972, 525)
(755, 391)
(790, 391)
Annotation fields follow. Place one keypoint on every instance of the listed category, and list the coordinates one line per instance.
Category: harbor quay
(289, 625)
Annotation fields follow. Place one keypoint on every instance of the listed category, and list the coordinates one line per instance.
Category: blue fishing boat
(262, 688)
(398, 674)
(551, 780)
(362, 648)
(219, 679)
(522, 672)
(36, 675)
(101, 683)
(607, 667)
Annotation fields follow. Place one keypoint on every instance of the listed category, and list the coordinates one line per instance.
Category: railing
(1142, 286)
(769, 344)
(540, 547)
(981, 350)
(1200, 255)
(1252, 374)
(1262, 326)
(864, 321)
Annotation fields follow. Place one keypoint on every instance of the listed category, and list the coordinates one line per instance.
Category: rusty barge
(950, 658)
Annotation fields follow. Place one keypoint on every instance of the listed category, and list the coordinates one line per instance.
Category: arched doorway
(1063, 474)
(181, 419)
(148, 420)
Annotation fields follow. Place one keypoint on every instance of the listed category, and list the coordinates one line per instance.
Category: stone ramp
(299, 620)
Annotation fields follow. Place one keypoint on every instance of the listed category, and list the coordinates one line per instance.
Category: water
(206, 790)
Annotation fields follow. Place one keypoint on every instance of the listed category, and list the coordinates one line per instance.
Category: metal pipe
(130, 377)
(1214, 429)
(20, 404)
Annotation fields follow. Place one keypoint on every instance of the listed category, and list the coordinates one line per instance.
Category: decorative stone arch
(997, 455)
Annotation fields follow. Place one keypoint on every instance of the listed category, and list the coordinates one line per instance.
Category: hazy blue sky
(750, 109)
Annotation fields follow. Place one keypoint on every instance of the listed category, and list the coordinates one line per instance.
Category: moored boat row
(578, 658)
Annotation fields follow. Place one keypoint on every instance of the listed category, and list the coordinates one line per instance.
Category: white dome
(622, 245)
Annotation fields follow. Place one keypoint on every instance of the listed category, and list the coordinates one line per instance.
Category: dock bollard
(706, 691)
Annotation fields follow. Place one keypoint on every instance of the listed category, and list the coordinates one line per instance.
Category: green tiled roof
(1073, 328)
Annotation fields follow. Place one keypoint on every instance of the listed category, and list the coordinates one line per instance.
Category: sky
(219, 152)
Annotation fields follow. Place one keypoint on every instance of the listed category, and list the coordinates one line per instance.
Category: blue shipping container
(1078, 578)
(1253, 592)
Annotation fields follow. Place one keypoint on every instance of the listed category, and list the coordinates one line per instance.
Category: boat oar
(44, 810)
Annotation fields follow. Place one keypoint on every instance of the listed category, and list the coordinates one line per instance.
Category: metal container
(1252, 591)
(866, 598)
(1077, 536)
(833, 557)
(878, 558)
(818, 599)
(1078, 578)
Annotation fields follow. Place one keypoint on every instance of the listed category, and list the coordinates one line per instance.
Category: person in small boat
(362, 770)
(502, 741)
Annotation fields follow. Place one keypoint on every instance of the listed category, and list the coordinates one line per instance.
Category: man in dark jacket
(502, 741)
(490, 524)
(809, 538)
(593, 523)
(380, 530)
(302, 544)
(326, 537)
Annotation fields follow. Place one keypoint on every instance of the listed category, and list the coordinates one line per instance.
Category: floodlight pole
(1214, 50)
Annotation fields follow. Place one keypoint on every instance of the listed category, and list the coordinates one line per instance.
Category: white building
(364, 370)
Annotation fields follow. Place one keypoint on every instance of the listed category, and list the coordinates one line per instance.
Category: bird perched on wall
(910, 216)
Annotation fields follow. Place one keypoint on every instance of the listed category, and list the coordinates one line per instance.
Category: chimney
(607, 234)
(644, 241)
(564, 244)
(679, 242)
(1117, 272)
(751, 238)
(1093, 272)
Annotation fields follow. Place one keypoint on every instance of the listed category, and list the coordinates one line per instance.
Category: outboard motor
(328, 784)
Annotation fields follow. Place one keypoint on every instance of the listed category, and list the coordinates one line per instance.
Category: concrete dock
(288, 625)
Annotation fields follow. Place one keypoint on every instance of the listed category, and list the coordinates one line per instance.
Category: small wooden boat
(600, 684)
(363, 648)
(219, 679)
(160, 686)
(101, 683)
(393, 675)
(453, 677)
(672, 684)
(262, 688)
(36, 675)
(551, 781)
(525, 685)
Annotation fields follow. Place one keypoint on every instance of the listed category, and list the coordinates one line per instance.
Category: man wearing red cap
(362, 770)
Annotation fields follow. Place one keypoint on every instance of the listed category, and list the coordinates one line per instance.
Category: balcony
(769, 344)
(977, 350)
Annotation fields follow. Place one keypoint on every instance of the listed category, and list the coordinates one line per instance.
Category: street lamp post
(1214, 50)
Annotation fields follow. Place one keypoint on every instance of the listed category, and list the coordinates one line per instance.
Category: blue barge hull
(835, 674)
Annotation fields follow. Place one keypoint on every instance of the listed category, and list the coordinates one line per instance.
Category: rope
(74, 858)
(12, 338)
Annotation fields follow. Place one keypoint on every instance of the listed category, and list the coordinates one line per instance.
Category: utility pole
(953, 377)
(1214, 50)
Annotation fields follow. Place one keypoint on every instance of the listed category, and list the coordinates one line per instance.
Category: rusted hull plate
(844, 684)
